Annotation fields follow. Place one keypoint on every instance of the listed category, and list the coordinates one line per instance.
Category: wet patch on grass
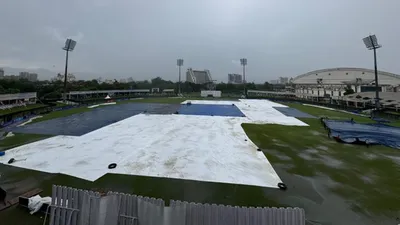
(314, 132)
(321, 147)
(331, 161)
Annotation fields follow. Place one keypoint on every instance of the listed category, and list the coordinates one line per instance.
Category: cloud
(58, 35)
(17, 63)
(236, 62)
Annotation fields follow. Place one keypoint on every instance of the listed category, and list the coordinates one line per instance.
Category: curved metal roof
(347, 69)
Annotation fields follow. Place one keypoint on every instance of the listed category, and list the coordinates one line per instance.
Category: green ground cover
(19, 139)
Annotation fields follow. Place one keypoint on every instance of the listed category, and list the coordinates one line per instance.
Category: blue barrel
(2, 153)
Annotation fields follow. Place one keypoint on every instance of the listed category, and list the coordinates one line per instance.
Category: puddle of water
(311, 151)
(321, 147)
(314, 132)
(305, 156)
(370, 156)
(331, 162)
(369, 178)
(281, 145)
(279, 155)
(395, 159)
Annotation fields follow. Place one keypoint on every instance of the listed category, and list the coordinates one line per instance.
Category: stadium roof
(344, 75)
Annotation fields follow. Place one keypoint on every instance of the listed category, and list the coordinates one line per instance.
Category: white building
(283, 80)
(235, 78)
(33, 77)
(198, 76)
(334, 82)
(274, 81)
(108, 81)
(1, 73)
(28, 76)
(8, 101)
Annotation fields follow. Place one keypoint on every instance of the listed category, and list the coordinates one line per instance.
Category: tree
(60, 77)
(348, 90)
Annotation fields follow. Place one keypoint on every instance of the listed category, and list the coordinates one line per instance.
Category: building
(198, 76)
(28, 76)
(8, 101)
(335, 81)
(22, 75)
(82, 95)
(283, 80)
(108, 81)
(388, 100)
(235, 78)
(274, 81)
(33, 77)
(11, 77)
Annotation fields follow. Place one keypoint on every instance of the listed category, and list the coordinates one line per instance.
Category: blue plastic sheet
(82, 123)
(287, 111)
(351, 132)
(210, 110)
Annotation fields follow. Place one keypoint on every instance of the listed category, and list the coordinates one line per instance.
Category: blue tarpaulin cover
(82, 123)
(375, 133)
(287, 111)
(210, 110)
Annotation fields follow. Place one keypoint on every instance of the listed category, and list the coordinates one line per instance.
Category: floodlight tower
(243, 62)
(179, 63)
(69, 47)
(371, 42)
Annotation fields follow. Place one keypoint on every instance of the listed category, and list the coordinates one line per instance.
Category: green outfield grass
(20, 139)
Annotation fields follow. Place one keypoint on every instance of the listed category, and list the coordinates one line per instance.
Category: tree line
(54, 88)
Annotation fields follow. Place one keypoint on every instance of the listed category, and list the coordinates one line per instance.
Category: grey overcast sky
(143, 38)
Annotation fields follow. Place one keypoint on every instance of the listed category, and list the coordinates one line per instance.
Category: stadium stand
(9, 101)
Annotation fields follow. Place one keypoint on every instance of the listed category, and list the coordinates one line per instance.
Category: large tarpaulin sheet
(82, 123)
(210, 110)
(350, 132)
(287, 111)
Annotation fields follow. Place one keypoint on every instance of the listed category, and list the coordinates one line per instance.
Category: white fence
(215, 94)
(70, 206)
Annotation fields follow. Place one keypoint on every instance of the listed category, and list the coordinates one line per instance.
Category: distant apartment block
(274, 81)
(28, 76)
(22, 75)
(109, 81)
(235, 78)
(198, 76)
(283, 80)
